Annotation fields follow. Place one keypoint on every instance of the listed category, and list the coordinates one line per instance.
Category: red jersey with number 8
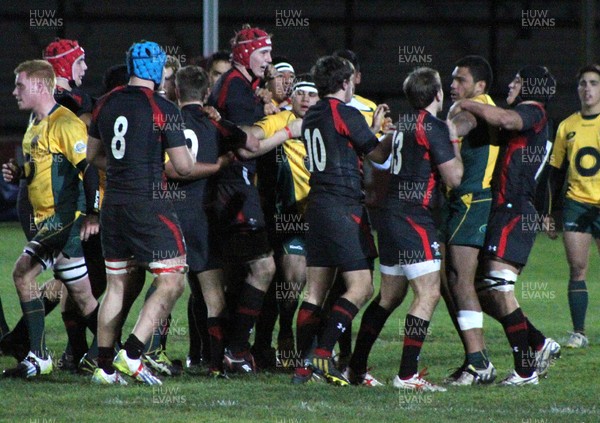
(135, 125)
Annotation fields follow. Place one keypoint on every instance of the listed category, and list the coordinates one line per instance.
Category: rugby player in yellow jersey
(279, 77)
(54, 147)
(467, 211)
(280, 82)
(576, 154)
(291, 189)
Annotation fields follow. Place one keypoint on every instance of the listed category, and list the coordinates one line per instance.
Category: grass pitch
(569, 394)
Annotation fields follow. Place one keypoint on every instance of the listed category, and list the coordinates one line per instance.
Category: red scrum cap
(246, 41)
(61, 54)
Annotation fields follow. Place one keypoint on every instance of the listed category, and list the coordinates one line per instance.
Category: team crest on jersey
(436, 248)
(570, 135)
(79, 147)
(34, 142)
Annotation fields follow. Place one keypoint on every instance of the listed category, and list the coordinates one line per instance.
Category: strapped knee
(72, 272)
(468, 319)
(497, 280)
(40, 254)
(119, 267)
(158, 268)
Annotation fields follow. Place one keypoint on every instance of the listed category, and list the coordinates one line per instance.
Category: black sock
(287, 310)
(134, 347)
(307, 325)
(3, 326)
(515, 327)
(250, 303)
(75, 326)
(535, 338)
(195, 349)
(265, 322)
(345, 341)
(339, 320)
(415, 331)
(217, 346)
(164, 331)
(371, 325)
(91, 320)
(201, 313)
(105, 359)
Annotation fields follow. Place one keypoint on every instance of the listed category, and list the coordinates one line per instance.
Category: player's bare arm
(200, 169)
(381, 153)
(292, 130)
(451, 172)
(463, 121)
(95, 153)
(181, 159)
(496, 116)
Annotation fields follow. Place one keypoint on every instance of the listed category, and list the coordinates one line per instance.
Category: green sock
(34, 316)
(578, 302)
(478, 359)
(3, 326)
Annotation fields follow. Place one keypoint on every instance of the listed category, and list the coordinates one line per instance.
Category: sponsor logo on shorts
(482, 228)
(296, 247)
(571, 225)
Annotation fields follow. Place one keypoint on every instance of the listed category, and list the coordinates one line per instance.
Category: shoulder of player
(532, 109)
(342, 107)
(435, 122)
(283, 117)
(233, 77)
(62, 117)
(573, 119)
(362, 103)
(484, 99)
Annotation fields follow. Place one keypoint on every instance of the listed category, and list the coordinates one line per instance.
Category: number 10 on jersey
(315, 150)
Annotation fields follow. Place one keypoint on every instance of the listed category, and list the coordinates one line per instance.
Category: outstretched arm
(496, 116)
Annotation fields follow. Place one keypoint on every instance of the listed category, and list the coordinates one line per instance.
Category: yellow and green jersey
(577, 145)
(292, 175)
(52, 148)
(479, 151)
(365, 106)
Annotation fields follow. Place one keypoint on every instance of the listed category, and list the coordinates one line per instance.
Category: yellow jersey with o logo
(52, 149)
(577, 145)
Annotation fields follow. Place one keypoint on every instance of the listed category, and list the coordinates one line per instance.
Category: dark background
(430, 33)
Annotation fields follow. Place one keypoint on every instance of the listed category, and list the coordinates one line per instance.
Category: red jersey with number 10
(335, 135)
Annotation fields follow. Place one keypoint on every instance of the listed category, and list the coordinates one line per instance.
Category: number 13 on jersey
(315, 150)
(397, 143)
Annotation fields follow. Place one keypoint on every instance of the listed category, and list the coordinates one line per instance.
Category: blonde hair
(39, 69)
